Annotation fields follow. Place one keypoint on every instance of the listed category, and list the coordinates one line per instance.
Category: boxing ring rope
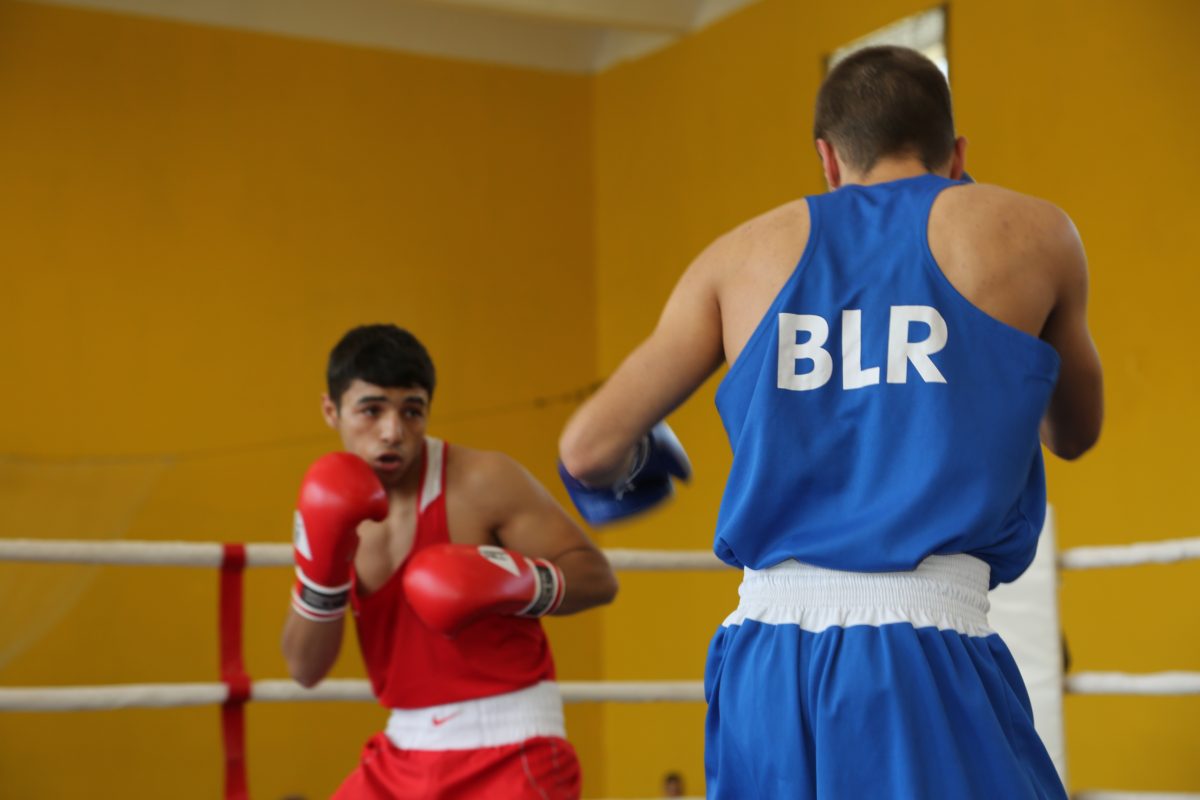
(170, 695)
(1168, 551)
(211, 554)
(236, 688)
(150, 553)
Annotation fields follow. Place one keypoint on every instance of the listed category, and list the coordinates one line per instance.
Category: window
(924, 32)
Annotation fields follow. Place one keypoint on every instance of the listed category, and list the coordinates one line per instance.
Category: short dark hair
(883, 101)
(384, 355)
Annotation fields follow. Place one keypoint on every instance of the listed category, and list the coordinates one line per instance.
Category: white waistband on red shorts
(944, 592)
(483, 722)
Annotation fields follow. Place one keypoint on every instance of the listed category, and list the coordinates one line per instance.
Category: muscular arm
(530, 522)
(310, 648)
(1072, 422)
(685, 348)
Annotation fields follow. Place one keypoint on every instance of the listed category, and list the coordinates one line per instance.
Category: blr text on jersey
(795, 356)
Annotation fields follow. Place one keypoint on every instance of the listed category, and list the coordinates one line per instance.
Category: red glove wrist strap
(317, 605)
(550, 589)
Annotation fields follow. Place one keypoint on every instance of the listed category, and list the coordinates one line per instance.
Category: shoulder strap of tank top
(433, 480)
(926, 193)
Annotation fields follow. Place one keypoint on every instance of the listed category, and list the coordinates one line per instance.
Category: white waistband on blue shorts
(483, 722)
(944, 592)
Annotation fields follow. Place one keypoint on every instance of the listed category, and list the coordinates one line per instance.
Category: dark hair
(384, 355)
(883, 101)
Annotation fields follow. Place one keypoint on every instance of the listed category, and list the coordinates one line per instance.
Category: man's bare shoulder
(487, 478)
(475, 469)
(790, 220)
(988, 207)
(1001, 229)
(774, 236)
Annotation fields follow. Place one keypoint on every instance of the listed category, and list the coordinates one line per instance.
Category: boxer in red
(447, 556)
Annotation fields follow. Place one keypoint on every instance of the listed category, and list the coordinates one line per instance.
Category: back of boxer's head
(886, 101)
(384, 355)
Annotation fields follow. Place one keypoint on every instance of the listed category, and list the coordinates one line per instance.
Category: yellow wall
(1088, 104)
(190, 217)
(1091, 109)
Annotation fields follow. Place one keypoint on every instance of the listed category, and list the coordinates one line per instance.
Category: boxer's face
(385, 426)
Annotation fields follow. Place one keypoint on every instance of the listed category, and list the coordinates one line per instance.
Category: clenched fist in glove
(658, 461)
(449, 586)
(338, 492)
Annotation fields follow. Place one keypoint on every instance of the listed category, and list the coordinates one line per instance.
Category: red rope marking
(233, 672)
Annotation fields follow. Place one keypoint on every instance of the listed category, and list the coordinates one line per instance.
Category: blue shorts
(831, 685)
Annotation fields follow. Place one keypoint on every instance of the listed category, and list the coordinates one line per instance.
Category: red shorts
(542, 768)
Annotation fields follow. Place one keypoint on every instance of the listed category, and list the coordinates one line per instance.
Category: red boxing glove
(449, 586)
(339, 491)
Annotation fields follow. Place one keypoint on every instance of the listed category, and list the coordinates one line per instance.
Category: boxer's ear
(829, 164)
(958, 161)
(329, 411)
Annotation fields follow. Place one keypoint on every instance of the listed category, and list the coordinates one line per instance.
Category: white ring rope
(138, 553)
(1172, 683)
(208, 554)
(166, 695)
(676, 560)
(169, 695)
(1168, 551)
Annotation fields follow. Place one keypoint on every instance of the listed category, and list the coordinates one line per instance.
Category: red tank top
(411, 666)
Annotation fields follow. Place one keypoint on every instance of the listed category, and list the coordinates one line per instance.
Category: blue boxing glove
(659, 459)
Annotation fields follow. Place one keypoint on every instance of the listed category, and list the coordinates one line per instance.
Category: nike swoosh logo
(443, 720)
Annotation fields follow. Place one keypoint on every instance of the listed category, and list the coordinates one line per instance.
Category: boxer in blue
(896, 346)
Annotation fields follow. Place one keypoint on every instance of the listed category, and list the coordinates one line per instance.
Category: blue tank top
(876, 415)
